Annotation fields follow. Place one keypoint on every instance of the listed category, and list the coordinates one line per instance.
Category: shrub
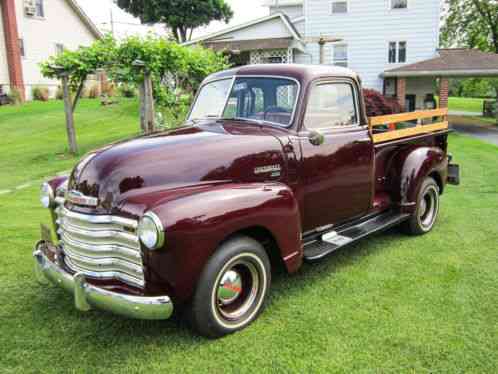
(40, 93)
(127, 90)
(109, 89)
(59, 94)
(93, 91)
(378, 105)
(15, 96)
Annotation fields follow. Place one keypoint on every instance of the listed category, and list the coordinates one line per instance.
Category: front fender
(196, 224)
(411, 167)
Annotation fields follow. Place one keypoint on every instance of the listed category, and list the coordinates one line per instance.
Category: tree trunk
(183, 34)
(141, 90)
(68, 108)
(149, 104)
(78, 94)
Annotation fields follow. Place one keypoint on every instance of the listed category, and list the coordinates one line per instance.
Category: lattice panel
(271, 56)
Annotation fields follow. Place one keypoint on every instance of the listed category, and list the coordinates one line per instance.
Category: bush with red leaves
(378, 105)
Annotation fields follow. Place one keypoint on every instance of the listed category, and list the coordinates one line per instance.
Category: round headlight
(151, 231)
(46, 195)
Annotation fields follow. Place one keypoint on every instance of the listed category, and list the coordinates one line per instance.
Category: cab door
(337, 156)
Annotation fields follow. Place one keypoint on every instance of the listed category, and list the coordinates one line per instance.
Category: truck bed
(409, 125)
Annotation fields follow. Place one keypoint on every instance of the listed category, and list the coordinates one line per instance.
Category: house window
(59, 48)
(341, 55)
(397, 52)
(392, 52)
(331, 105)
(339, 7)
(40, 12)
(402, 52)
(21, 47)
(399, 4)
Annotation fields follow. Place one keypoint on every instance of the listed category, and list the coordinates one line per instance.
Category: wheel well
(267, 240)
(437, 177)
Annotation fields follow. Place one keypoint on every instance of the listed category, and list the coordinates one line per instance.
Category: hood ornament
(77, 198)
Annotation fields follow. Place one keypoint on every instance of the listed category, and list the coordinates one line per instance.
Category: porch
(416, 85)
(271, 39)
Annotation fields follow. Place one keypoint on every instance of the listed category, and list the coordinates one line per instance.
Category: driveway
(463, 113)
(486, 133)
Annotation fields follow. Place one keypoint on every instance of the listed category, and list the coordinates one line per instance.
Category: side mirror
(316, 138)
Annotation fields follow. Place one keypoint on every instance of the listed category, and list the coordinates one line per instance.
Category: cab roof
(302, 73)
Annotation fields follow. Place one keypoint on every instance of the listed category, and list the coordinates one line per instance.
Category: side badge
(275, 170)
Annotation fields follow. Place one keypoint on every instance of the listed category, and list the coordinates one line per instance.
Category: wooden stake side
(391, 120)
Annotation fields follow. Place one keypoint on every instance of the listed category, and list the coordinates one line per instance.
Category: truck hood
(185, 158)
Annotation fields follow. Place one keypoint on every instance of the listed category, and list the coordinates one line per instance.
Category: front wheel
(232, 288)
(426, 211)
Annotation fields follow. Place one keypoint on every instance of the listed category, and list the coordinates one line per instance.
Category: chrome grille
(104, 247)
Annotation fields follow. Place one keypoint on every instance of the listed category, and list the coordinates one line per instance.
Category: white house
(33, 30)
(368, 36)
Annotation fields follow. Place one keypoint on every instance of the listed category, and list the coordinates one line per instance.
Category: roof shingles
(455, 62)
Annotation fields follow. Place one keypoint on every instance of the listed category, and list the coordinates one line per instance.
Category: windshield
(261, 99)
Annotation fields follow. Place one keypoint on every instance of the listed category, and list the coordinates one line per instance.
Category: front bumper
(87, 296)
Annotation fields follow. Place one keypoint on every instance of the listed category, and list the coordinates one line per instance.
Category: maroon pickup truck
(275, 164)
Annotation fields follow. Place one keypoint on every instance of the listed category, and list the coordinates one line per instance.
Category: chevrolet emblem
(76, 197)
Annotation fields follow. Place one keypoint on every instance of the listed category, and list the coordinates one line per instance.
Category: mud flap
(454, 174)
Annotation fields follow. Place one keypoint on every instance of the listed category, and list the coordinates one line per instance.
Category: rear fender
(410, 168)
(195, 225)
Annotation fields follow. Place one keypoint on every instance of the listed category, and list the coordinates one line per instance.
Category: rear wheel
(427, 209)
(232, 288)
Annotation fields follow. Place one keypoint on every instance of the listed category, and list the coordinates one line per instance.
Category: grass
(388, 304)
(34, 143)
(465, 104)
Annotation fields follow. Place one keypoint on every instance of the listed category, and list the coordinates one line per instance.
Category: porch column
(443, 92)
(401, 92)
(12, 46)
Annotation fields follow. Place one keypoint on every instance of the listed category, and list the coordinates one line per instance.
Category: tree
(182, 16)
(472, 24)
(168, 73)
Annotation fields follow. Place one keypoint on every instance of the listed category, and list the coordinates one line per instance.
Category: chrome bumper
(87, 296)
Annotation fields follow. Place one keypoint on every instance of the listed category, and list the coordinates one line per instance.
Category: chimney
(12, 45)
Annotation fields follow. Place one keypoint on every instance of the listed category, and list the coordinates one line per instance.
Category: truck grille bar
(105, 247)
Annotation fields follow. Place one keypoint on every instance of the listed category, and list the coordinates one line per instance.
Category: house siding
(273, 28)
(61, 25)
(292, 12)
(367, 29)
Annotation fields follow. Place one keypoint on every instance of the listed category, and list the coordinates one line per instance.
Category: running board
(331, 241)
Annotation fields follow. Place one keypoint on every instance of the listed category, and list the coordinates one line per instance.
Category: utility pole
(112, 23)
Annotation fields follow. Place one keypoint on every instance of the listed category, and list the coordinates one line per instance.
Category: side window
(259, 100)
(286, 96)
(331, 105)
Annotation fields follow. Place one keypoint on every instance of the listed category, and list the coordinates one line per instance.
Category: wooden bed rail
(417, 129)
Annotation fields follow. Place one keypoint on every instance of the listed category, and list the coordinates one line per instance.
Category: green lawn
(391, 303)
(33, 136)
(465, 104)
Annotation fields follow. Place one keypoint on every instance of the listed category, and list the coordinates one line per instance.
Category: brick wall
(401, 92)
(443, 92)
(12, 45)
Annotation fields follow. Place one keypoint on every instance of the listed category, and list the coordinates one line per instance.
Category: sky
(125, 24)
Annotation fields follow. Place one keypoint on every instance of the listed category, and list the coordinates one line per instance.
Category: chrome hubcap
(230, 287)
(428, 208)
(238, 290)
